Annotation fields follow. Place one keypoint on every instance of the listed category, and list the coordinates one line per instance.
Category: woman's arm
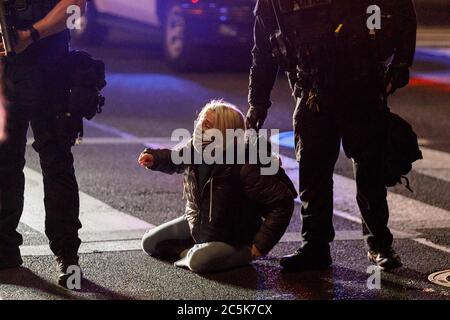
(163, 159)
(275, 195)
(160, 160)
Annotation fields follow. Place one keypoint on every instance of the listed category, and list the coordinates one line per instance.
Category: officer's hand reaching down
(255, 118)
(146, 160)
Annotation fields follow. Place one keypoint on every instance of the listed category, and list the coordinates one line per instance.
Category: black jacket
(237, 205)
(264, 69)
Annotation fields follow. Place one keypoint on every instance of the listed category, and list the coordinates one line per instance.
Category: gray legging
(201, 258)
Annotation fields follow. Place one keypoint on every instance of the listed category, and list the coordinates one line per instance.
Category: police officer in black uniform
(36, 89)
(341, 65)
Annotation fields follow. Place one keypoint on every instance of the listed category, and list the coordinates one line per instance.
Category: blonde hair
(228, 116)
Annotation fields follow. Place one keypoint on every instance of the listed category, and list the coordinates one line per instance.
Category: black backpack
(401, 149)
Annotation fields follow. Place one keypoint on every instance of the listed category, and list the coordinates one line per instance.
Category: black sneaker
(68, 268)
(307, 259)
(385, 259)
(10, 262)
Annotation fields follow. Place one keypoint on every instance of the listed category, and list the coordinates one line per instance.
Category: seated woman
(233, 212)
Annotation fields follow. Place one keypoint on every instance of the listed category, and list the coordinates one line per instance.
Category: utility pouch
(87, 79)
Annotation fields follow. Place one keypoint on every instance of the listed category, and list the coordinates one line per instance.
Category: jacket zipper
(210, 199)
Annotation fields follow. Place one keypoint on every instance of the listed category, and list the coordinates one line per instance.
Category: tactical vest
(331, 37)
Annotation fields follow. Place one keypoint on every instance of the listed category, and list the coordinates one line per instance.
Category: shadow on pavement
(101, 292)
(25, 278)
(246, 277)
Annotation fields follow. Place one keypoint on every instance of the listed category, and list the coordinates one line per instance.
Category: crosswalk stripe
(434, 164)
(430, 244)
(100, 221)
(135, 244)
(344, 235)
(87, 247)
(118, 141)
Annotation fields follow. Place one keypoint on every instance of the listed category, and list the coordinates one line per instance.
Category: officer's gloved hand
(255, 118)
(397, 76)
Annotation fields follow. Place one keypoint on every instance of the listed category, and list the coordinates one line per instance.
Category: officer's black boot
(70, 272)
(308, 258)
(386, 259)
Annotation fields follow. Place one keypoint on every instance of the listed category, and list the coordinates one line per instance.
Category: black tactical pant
(351, 115)
(34, 93)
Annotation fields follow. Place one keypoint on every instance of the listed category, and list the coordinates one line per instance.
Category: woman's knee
(149, 242)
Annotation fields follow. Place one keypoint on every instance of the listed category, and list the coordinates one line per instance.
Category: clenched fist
(146, 160)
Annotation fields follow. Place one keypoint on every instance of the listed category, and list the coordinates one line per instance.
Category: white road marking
(343, 235)
(100, 221)
(135, 244)
(87, 247)
(434, 164)
(120, 140)
(430, 244)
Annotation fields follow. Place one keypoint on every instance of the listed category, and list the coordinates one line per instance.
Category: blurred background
(201, 34)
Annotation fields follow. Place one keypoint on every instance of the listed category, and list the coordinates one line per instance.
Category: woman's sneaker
(385, 259)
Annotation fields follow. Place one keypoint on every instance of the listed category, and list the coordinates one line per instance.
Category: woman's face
(208, 120)
(205, 123)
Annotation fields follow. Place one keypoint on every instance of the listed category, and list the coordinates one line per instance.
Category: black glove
(397, 76)
(256, 118)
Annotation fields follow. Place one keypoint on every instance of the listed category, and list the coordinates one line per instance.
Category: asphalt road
(145, 103)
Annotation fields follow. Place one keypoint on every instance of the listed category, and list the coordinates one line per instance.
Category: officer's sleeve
(264, 70)
(406, 33)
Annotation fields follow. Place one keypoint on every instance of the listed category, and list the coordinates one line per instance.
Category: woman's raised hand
(146, 160)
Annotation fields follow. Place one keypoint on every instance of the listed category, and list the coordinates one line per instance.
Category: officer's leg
(60, 187)
(317, 149)
(371, 198)
(12, 183)
(12, 161)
